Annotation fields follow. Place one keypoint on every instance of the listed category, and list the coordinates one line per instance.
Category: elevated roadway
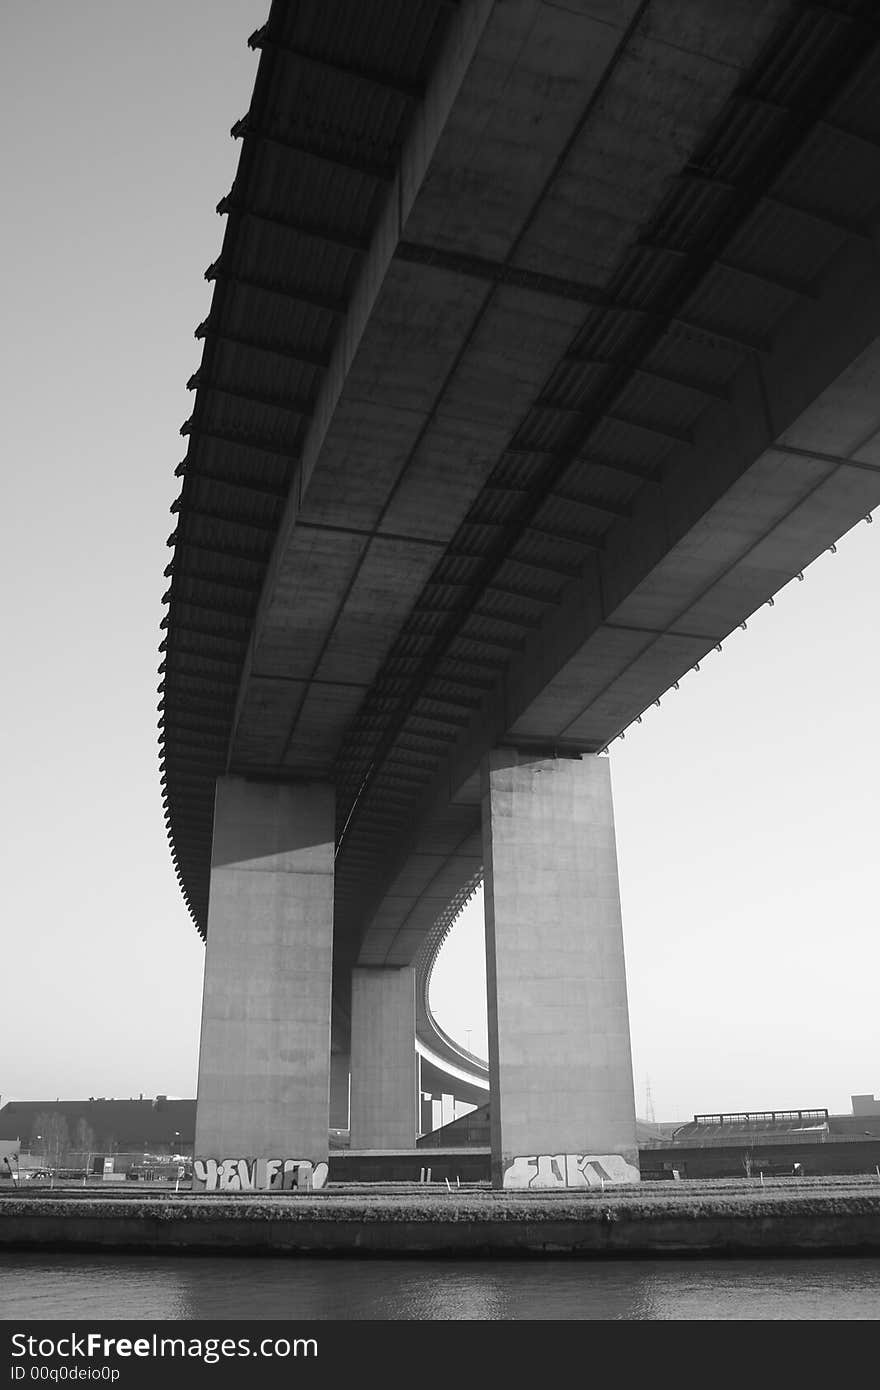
(543, 349)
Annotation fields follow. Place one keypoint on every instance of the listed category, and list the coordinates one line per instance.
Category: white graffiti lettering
(567, 1170)
(257, 1175)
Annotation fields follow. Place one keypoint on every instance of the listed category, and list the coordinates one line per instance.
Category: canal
(36, 1285)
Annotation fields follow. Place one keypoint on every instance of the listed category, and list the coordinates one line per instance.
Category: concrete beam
(546, 135)
(774, 476)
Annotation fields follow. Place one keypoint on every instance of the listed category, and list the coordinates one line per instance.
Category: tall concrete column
(264, 1062)
(384, 1076)
(559, 1048)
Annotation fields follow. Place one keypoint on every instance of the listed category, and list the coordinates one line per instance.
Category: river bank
(837, 1217)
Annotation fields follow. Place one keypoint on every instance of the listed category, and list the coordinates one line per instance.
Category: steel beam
(242, 441)
(386, 81)
(316, 232)
(298, 294)
(304, 356)
(340, 159)
(293, 405)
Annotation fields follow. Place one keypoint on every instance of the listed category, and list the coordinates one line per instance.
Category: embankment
(643, 1221)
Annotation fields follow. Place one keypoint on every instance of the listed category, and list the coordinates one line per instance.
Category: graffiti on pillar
(567, 1170)
(257, 1175)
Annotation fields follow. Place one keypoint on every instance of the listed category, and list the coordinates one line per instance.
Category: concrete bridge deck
(542, 351)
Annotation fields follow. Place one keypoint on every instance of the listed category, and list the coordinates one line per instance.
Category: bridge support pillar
(264, 1062)
(340, 1064)
(384, 1075)
(562, 1106)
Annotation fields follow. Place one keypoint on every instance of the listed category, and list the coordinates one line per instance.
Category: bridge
(543, 350)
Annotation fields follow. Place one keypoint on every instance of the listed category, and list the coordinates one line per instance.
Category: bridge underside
(542, 352)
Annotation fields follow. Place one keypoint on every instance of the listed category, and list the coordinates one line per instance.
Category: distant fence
(735, 1140)
(104, 1167)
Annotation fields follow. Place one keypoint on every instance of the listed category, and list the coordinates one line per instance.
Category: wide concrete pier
(560, 1063)
(264, 1062)
(559, 1049)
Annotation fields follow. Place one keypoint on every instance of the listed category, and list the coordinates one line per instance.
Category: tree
(84, 1138)
(51, 1136)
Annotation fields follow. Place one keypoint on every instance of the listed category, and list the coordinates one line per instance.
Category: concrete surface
(560, 1064)
(340, 1077)
(662, 1219)
(264, 1059)
(384, 1077)
(546, 142)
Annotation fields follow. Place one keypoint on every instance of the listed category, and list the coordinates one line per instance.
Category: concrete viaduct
(543, 349)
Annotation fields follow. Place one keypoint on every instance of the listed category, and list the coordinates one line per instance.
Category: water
(84, 1287)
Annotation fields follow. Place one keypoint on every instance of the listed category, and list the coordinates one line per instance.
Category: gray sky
(746, 805)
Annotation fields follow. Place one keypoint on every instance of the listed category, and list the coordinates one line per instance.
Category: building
(156, 1125)
(773, 1142)
(806, 1142)
(744, 1144)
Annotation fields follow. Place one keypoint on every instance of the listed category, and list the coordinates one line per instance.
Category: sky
(746, 805)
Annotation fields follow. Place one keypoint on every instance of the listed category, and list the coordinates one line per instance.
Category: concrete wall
(264, 1062)
(559, 1047)
(457, 1223)
(340, 1075)
(773, 1160)
(384, 1078)
(865, 1105)
(462, 1132)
